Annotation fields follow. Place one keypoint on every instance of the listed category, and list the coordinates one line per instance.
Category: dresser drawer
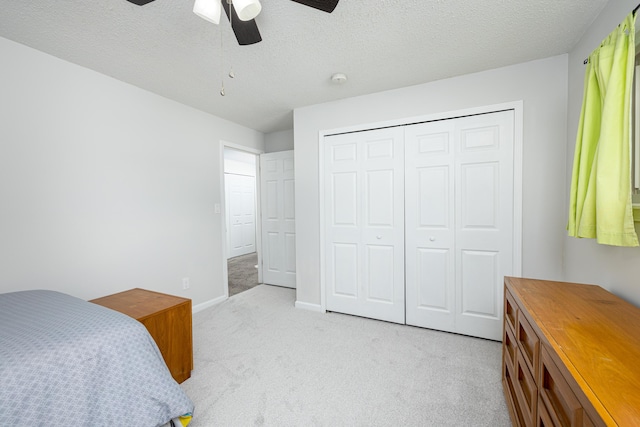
(510, 310)
(510, 394)
(529, 343)
(586, 421)
(526, 390)
(562, 404)
(510, 345)
(544, 419)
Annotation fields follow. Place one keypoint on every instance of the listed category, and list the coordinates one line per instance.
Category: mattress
(65, 361)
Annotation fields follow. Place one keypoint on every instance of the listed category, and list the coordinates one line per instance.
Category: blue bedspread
(65, 361)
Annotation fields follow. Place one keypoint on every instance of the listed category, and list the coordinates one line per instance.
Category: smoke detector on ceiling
(339, 78)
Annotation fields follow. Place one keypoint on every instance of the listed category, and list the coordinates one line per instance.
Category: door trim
(223, 209)
(518, 117)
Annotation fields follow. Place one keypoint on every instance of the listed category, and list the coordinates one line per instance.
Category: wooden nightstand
(168, 320)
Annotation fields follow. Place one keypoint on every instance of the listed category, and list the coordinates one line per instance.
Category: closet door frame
(518, 113)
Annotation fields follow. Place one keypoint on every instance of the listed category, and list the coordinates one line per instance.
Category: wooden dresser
(168, 320)
(571, 355)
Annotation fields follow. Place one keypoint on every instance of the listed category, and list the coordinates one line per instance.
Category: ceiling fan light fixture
(247, 9)
(208, 10)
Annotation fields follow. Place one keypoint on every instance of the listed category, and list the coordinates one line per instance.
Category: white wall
(278, 141)
(542, 85)
(614, 268)
(104, 186)
(239, 162)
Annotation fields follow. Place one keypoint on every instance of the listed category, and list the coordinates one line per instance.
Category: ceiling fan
(242, 14)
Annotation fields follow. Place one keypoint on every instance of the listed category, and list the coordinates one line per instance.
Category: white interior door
(364, 214)
(484, 220)
(278, 219)
(430, 225)
(459, 222)
(240, 200)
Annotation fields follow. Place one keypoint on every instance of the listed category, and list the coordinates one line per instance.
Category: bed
(65, 361)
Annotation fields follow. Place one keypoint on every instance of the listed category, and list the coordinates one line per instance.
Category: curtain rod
(635, 9)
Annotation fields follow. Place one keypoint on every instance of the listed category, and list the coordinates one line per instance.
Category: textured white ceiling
(380, 44)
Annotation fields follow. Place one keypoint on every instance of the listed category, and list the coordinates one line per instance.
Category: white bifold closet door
(459, 222)
(364, 224)
(278, 219)
(432, 201)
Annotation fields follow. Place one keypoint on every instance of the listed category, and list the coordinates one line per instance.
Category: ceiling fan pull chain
(221, 64)
(230, 2)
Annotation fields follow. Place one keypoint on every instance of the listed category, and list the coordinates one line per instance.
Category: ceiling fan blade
(324, 5)
(246, 31)
(140, 2)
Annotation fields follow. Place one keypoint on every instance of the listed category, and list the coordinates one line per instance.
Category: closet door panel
(479, 185)
(433, 197)
(379, 196)
(429, 212)
(379, 273)
(344, 197)
(345, 271)
(479, 296)
(433, 284)
(364, 224)
(484, 220)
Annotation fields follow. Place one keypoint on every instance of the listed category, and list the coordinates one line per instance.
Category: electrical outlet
(185, 283)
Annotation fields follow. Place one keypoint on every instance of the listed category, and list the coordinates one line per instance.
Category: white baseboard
(311, 307)
(207, 304)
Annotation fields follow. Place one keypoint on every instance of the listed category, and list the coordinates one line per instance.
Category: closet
(419, 222)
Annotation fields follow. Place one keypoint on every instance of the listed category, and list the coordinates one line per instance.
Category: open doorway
(241, 214)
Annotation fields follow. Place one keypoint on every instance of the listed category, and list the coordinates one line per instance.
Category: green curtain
(601, 183)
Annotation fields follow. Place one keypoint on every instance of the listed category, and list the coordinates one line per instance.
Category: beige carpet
(260, 361)
(242, 273)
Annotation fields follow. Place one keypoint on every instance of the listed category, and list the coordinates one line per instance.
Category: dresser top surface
(140, 303)
(597, 336)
